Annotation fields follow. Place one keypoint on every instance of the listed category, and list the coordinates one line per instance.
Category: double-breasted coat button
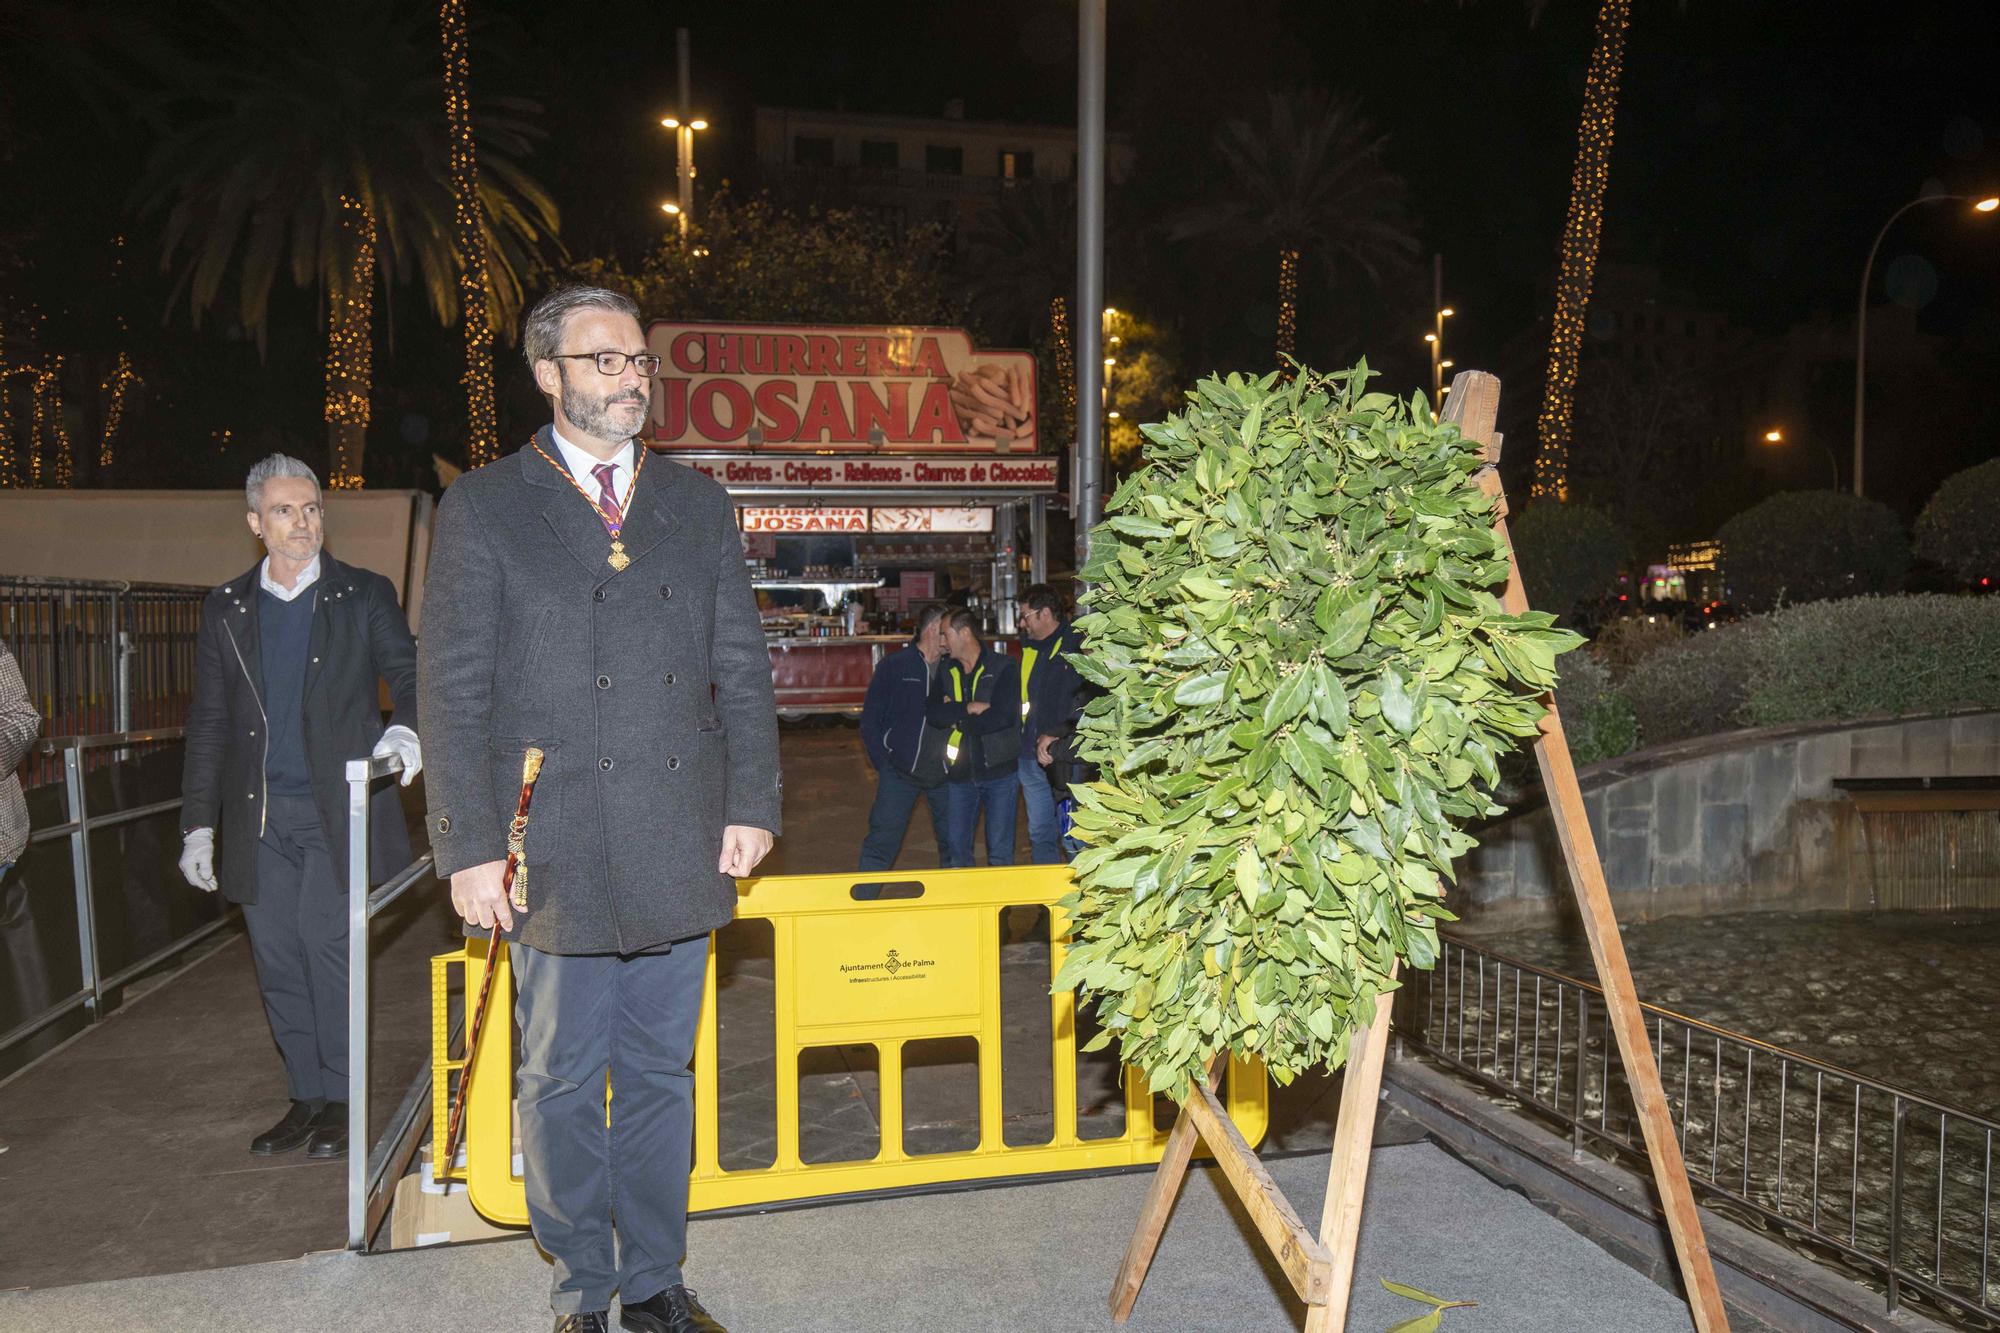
(599, 594)
(665, 591)
(444, 824)
(604, 764)
(669, 678)
(604, 682)
(673, 761)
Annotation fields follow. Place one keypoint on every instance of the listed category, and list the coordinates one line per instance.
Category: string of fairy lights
(482, 425)
(119, 382)
(1065, 359)
(1579, 250)
(349, 346)
(1288, 308)
(8, 475)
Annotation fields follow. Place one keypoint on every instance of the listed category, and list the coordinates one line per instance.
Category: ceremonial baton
(513, 883)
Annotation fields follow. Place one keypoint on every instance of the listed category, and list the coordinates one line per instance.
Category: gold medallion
(617, 559)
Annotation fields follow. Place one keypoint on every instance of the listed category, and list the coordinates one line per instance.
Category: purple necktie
(607, 500)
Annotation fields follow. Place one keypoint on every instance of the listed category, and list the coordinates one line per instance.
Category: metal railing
(100, 656)
(1887, 1180)
(372, 1174)
(71, 754)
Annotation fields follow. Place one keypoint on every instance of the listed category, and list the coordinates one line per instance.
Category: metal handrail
(77, 827)
(370, 1174)
(1439, 1023)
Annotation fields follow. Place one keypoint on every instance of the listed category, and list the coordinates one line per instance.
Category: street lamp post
(1440, 312)
(1985, 205)
(683, 125)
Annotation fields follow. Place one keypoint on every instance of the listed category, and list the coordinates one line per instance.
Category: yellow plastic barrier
(878, 973)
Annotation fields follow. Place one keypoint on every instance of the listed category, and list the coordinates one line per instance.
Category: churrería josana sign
(850, 387)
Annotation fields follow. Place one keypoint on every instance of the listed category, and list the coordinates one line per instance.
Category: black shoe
(329, 1135)
(289, 1133)
(674, 1310)
(597, 1321)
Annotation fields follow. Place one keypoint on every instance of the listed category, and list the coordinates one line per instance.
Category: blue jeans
(998, 796)
(1044, 825)
(889, 819)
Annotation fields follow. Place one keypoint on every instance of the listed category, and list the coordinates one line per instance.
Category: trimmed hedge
(1567, 552)
(1960, 527)
(1809, 546)
(1862, 657)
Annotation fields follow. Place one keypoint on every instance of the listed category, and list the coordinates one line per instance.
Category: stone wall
(1743, 821)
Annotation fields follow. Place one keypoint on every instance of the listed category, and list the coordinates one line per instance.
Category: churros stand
(874, 468)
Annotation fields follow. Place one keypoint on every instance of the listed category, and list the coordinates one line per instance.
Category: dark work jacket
(1048, 688)
(359, 637)
(895, 727)
(647, 688)
(990, 742)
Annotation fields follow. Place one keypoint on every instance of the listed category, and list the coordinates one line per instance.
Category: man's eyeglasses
(613, 363)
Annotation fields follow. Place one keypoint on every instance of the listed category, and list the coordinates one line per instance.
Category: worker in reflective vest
(976, 702)
(1045, 636)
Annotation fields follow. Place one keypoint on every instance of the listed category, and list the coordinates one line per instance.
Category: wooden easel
(1321, 1268)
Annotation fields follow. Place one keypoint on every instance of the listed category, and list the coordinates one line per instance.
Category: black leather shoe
(674, 1310)
(288, 1134)
(329, 1135)
(597, 1321)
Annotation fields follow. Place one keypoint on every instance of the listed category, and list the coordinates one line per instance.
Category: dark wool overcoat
(649, 690)
(359, 638)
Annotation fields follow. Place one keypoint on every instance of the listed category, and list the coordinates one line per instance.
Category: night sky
(1759, 146)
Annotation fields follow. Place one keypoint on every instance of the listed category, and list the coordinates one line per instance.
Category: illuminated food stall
(874, 469)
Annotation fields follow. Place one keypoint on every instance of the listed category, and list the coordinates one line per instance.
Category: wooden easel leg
(1159, 1206)
(1347, 1169)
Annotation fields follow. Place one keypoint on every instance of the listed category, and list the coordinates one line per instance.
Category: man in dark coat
(287, 665)
(977, 705)
(906, 752)
(1045, 638)
(594, 605)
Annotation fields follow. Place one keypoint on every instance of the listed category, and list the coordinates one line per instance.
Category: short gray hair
(541, 332)
(276, 465)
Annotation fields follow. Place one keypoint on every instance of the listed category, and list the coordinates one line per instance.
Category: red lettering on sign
(718, 354)
(825, 357)
(776, 410)
(811, 473)
(872, 414)
(701, 410)
(686, 353)
(935, 419)
(791, 354)
(825, 416)
(750, 472)
(672, 408)
(930, 359)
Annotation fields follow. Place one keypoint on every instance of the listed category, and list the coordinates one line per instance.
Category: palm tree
(311, 144)
(1307, 180)
(1023, 256)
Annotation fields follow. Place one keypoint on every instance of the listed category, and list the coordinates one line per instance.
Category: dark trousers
(998, 796)
(298, 940)
(889, 818)
(1044, 824)
(583, 1016)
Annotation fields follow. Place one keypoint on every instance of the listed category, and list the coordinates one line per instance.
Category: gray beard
(592, 416)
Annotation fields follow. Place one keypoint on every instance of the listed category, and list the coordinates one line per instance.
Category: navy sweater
(286, 631)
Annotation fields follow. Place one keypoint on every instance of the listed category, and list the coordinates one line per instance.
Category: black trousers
(298, 939)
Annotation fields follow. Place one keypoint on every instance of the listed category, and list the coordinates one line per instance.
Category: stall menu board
(885, 519)
(740, 472)
(806, 387)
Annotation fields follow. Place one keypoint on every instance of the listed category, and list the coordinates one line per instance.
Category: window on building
(812, 150)
(944, 159)
(880, 153)
(1016, 165)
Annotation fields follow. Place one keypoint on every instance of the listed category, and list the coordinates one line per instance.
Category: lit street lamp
(684, 168)
(1985, 205)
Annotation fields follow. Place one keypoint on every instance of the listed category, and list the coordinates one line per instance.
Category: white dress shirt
(581, 462)
(307, 577)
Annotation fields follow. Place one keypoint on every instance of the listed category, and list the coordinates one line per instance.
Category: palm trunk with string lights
(350, 349)
(1065, 355)
(1288, 309)
(8, 476)
(482, 427)
(1579, 249)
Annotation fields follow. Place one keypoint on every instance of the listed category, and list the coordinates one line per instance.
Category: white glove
(403, 744)
(198, 858)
